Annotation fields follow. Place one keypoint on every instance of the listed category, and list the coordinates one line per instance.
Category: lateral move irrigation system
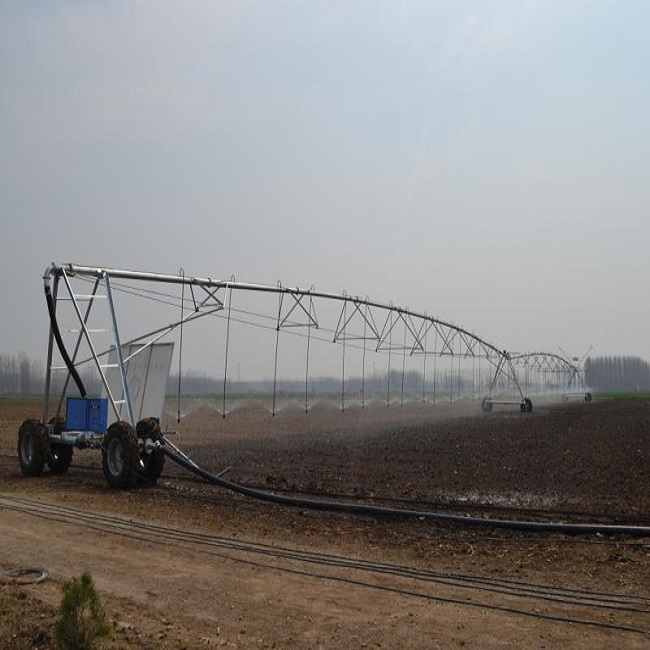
(95, 324)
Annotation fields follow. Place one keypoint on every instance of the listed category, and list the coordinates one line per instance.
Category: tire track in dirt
(620, 612)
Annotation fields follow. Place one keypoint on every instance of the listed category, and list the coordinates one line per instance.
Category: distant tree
(24, 372)
(19, 375)
(8, 375)
(617, 373)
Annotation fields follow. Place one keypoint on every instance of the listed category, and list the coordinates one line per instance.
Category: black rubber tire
(59, 456)
(120, 456)
(486, 405)
(588, 397)
(527, 406)
(152, 463)
(32, 447)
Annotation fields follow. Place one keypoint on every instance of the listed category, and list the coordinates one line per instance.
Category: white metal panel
(147, 371)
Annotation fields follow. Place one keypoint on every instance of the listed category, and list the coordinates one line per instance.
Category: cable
(180, 349)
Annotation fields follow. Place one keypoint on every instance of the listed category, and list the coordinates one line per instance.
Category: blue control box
(86, 414)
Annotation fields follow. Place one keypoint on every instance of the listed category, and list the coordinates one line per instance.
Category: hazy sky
(486, 162)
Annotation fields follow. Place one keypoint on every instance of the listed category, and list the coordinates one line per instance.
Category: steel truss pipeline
(348, 321)
(553, 370)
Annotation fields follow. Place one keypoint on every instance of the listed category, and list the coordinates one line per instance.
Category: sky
(484, 162)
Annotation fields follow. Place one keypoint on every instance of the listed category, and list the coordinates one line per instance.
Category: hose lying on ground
(15, 576)
(181, 459)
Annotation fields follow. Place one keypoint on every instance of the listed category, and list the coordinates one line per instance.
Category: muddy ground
(188, 565)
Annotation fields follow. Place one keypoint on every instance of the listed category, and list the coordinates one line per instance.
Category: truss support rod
(277, 343)
(93, 352)
(496, 374)
(435, 369)
(424, 370)
(180, 348)
(77, 346)
(506, 359)
(515, 378)
(207, 283)
(390, 348)
(363, 360)
(118, 351)
(157, 334)
(307, 359)
(451, 377)
(345, 307)
(225, 365)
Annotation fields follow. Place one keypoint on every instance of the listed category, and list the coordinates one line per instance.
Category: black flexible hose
(398, 513)
(59, 341)
(16, 576)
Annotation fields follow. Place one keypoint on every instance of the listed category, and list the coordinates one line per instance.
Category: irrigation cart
(105, 331)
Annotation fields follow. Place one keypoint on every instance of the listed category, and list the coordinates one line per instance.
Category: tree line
(19, 375)
(617, 373)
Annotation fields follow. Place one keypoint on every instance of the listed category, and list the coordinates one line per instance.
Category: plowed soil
(188, 565)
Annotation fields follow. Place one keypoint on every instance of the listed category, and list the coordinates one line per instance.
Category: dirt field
(189, 565)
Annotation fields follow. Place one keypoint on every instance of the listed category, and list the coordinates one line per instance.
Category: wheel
(59, 456)
(486, 405)
(152, 461)
(120, 456)
(588, 397)
(32, 447)
(527, 406)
